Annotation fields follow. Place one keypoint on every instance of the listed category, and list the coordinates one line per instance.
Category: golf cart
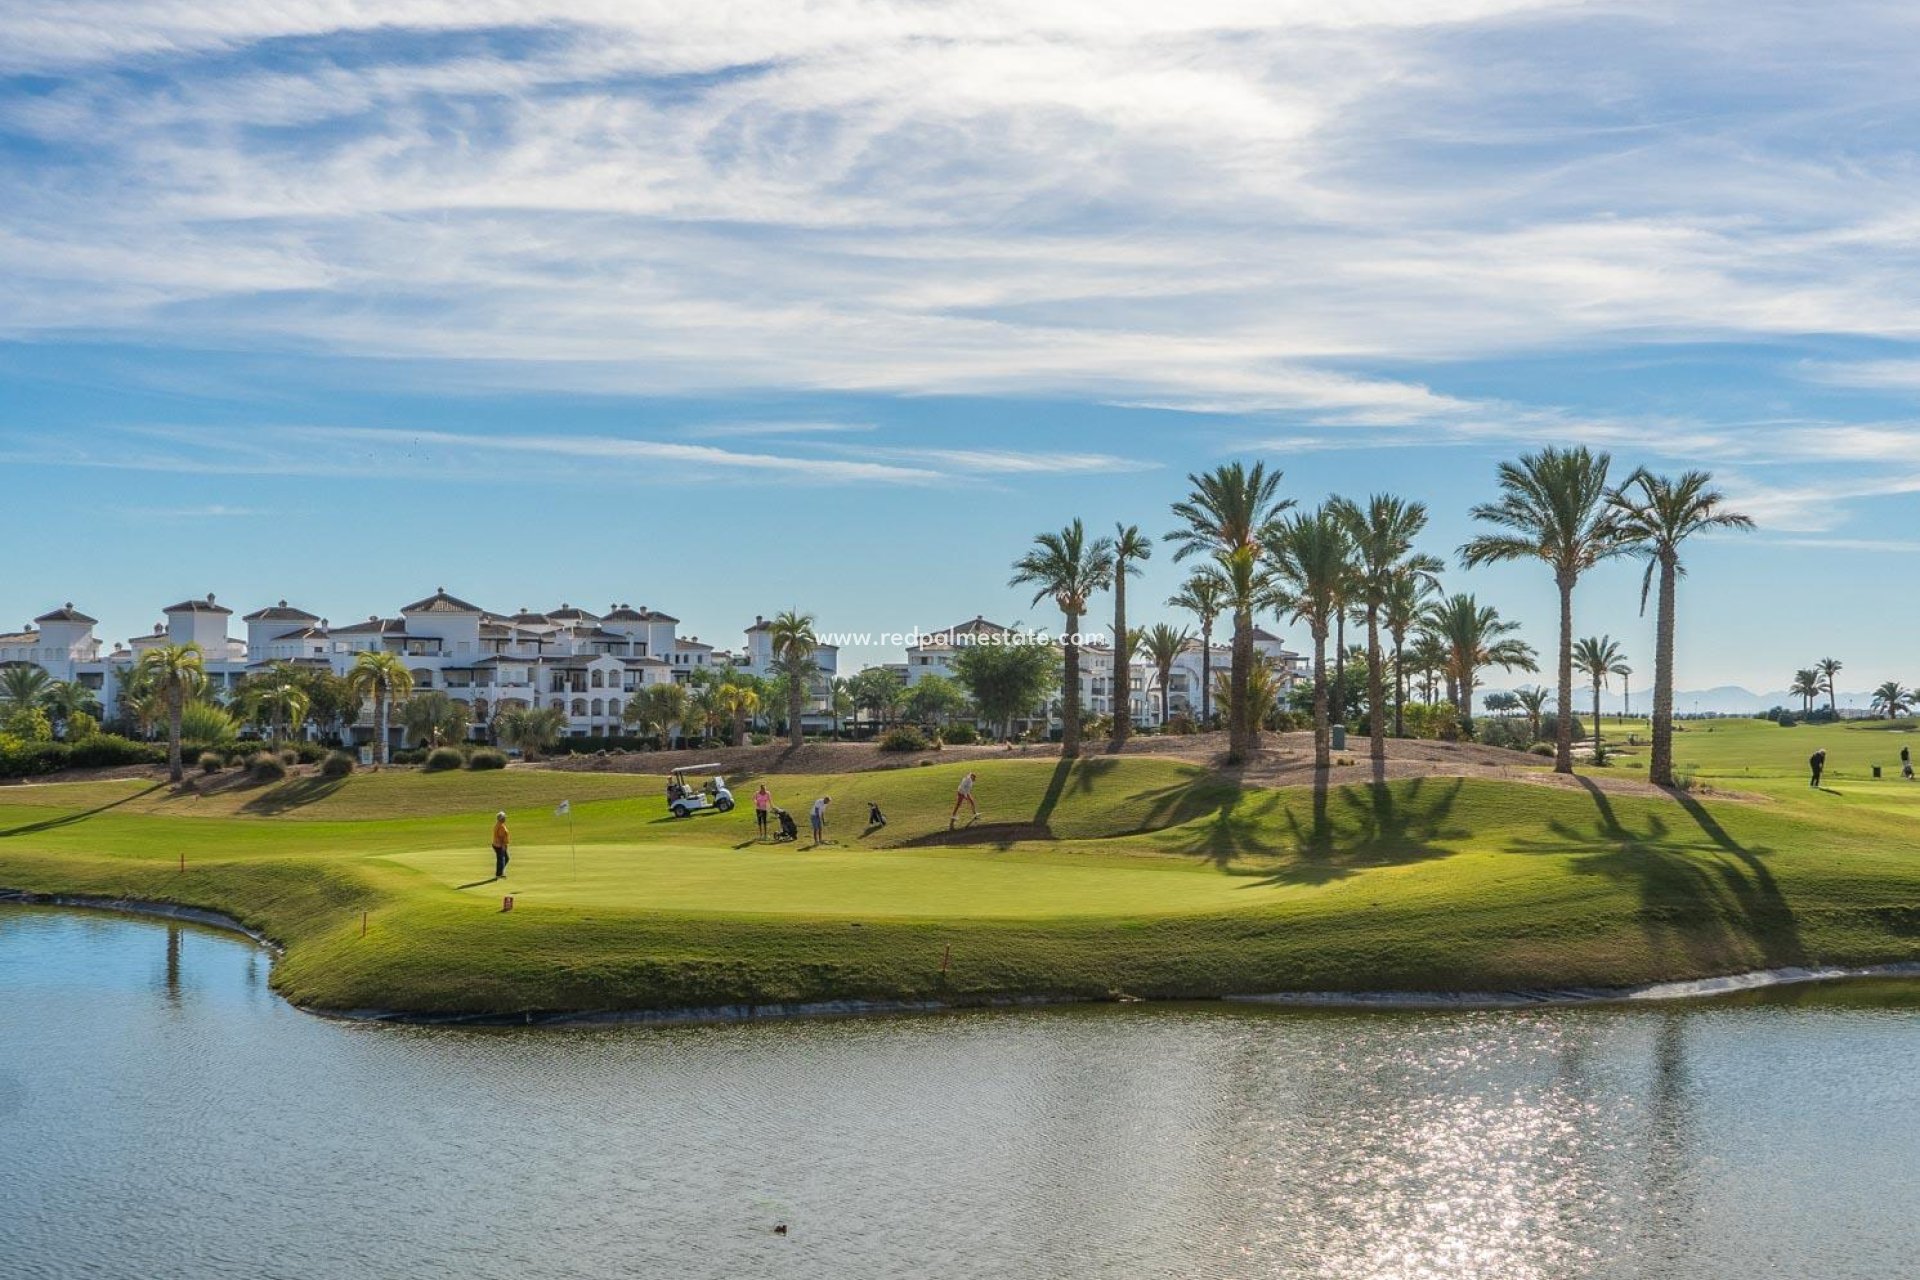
(684, 798)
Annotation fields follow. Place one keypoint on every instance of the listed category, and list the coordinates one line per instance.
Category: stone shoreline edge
(1386, 1001)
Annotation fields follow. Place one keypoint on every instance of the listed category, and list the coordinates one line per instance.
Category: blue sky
(732, 310)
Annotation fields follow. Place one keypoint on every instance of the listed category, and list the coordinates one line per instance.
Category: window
(599, 707)
(580, 706)
(599, 679)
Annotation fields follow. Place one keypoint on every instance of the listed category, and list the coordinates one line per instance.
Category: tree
(934, 699)
(1828, 669)
(1806, 684)
(657, 708)
(737, 702)
(530, 730)
(794, 644)
(1533, 700)
(1655, 515)
(1501, 703)
(70, 703)
(1891, 698)
(1413, 583)
(433, 719)
(1067, 568)
(1382, 534)
(1005, 681)
(1263, 684)
(23, 685)
(1163, 646)
(1130, 546)
(1475, 636)
(1203, 597)
(173, 673)
(1553, 506)
(383, 677)
(1598, 657)
(878, 692)
(839, 700)
(1426, 655)
(1312, 560)
(1625, 673)
(1228, 514)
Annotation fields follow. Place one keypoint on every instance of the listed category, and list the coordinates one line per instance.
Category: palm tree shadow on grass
(288, 796)
(1711, 905)
(68, 819)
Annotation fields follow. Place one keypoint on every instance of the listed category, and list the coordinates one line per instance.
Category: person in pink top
(761, 802)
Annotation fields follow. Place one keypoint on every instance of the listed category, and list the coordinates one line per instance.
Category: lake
(163, 1114)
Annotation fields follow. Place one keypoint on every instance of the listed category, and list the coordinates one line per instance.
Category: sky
(727, 309)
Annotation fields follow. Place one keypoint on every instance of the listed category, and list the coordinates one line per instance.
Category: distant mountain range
(1726, 699)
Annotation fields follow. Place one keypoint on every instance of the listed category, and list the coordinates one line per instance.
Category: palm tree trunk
(1206, 676)
(380, 724)
(1376, 690)
(1322, 739)
(1596, 721)
(1563, 746)
(1399, 687)
(1237, 709)
(1122, 664)
(1166, 675)
(1340, 663)
(1660, 769)
(794, 694)
(176, 772)
(1070, 704)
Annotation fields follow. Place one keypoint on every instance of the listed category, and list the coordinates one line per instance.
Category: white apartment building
(756, 658)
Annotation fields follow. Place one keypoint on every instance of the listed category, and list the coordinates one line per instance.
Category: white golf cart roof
(698, 768)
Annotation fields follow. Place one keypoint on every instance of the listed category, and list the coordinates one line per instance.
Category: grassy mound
(1112, 875)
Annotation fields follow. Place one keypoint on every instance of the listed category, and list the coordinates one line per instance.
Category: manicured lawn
(1118, 875)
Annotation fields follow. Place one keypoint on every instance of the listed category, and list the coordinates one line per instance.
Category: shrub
(266, 767)
(1280, 720)
(904, 738)
(289, 756)
(212, 762)
(411, 755)
(487, 758)
(110, 751)
(960, 735)
(205, 723)
(440, 759)
(338, 764)
(28, 723)
(1180, 724)
(1497, 731)
(1543, 749)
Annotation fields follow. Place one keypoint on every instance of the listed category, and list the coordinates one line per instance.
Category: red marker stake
(946, 956)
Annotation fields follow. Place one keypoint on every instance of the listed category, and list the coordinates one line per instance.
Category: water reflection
(162, 1116)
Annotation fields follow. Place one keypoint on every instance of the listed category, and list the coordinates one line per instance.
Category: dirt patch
(813, 757)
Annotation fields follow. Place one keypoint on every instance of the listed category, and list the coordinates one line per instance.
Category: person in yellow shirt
(500, 840)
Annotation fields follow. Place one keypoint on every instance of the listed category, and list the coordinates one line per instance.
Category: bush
(266, 767)
(110, 751)
(212, 762)
(28, 723)
(1499, 731)
(338, 764)
(289, 756)
(594, 745)
(1280, 720)
(203, 722)
(487, 758)
(441, 759)
(904, 738)
(1180, 724)
(1543, 749)
(960, 735)
(409, 755)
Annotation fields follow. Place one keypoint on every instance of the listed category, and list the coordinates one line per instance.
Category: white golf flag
(562, 809)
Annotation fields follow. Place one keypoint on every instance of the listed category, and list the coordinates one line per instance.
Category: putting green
(835, 880)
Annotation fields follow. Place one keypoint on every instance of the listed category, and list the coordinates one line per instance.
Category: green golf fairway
(1116, 875)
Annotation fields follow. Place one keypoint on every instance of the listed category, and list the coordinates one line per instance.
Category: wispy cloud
(749, 430)
(211, 511)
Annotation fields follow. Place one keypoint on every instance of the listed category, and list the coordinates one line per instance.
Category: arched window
(559, 704)
(599, 707)
(480, 709)
(580, 706)
(599, 679)
(613, 707)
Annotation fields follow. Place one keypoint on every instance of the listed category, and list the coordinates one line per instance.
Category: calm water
(163, 1114)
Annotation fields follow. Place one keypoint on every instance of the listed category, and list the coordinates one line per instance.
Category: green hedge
(19, 759)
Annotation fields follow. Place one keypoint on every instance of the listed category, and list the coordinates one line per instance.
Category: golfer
(819, 818)
(1818, 763)
(1906, 763)
(500, 841)
(761, 802)
(964, 796)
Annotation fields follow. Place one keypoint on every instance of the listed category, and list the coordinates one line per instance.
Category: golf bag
(788, 829)
(875, 818)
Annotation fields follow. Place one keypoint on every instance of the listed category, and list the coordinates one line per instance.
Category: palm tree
(1382, 535)
(1202, 597)
(433, 718)
(1554, 507)
(1654, 515)
(737, 703)
(23, 685)
(1598, 657)
(1312, 560)
(1412, 583)
(1426, 655)
(659, 707)
(1066, 568)
(530, 730)
(1891, 698)
(1229, 511)
(383, 677)
(1533, 701)
(67, 699)
(1263, 683)
(1828, 669)
(1806, 684)
(794, 644)
(1163, 646)
(1130, 546)
(1475, 636)
(174, 673)
(284, 703)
